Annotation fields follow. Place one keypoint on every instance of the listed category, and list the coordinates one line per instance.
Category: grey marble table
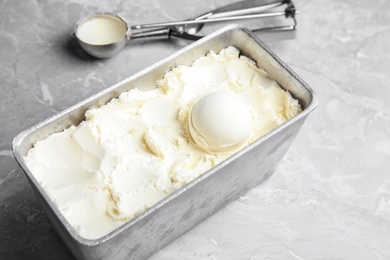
(330, 197)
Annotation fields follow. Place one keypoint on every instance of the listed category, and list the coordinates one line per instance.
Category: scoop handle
(243, 8)
(156, 33)
(165, 33)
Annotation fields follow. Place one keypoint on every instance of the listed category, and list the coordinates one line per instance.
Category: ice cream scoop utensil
(103, 34)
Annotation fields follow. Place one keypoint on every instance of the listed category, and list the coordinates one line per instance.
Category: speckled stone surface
(330, 196)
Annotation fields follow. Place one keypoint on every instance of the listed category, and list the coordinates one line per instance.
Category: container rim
(94, 242)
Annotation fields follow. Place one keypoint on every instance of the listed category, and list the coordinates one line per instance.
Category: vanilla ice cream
(140, 147)
(220, 121)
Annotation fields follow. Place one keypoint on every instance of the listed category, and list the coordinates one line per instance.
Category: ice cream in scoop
(220, 121)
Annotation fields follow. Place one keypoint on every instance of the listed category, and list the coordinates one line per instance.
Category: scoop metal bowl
(103, 50)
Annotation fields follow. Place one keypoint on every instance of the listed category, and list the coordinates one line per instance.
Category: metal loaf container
(179, 212)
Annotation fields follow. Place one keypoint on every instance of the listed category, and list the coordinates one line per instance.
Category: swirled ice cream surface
(137, 149)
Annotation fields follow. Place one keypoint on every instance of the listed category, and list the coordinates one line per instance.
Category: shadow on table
(73, 49)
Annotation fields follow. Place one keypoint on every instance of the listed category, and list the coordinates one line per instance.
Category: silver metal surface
(237, 8)
(106, 50)
(242, 8)
(179, 212)
(209, 20)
